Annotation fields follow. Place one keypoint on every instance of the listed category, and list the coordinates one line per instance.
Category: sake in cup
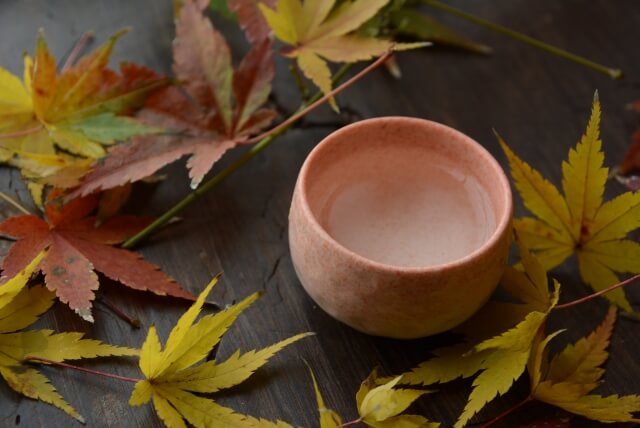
(400, 227)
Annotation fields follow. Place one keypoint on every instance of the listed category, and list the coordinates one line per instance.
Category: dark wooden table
(539, 103)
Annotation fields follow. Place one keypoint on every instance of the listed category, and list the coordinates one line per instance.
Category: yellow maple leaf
(328, 417)
(19, 308)
(172, 376)
(580, 222)
(380, 406)
(576, 371)
(12, 287)
(320, 32)
(498, 338)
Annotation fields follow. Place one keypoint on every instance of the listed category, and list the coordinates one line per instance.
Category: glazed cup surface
(400, 227)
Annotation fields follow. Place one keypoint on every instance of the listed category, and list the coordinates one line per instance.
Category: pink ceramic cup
(400, 227)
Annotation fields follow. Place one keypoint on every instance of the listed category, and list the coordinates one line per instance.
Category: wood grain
(539, 103)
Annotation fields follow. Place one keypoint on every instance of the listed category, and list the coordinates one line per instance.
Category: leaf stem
(613, 73)
(507, 412)
(351, 423)
(315, 104)
(14, 203)
(133, 322)
(21, 133)
(598, 293)
(77, 49)
(82, 369)
(219, 177)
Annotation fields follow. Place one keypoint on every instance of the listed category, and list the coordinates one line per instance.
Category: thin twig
(598, 293)
(285, 124)
(36, 359)
(22, 133)
(506, 412)
(351, 423)
(134, 322)
(77, 49)
(614, 73)
(219, 177)
(14, 203)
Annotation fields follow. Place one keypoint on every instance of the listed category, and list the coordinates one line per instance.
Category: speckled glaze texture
(384, 299)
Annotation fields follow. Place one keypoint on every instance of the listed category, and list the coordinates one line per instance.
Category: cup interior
(407, 193)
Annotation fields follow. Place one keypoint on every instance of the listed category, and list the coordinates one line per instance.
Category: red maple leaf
(76, 249)
(251, 18)
(628, 171)
(216, 108)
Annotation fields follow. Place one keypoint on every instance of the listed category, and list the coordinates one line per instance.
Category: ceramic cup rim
(504, 216)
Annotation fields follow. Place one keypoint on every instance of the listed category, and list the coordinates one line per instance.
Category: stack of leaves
(19, 308)
(398, 20)
(216, 108)
(580, 222)
(498, 339)
(76, 247)
(172, 376)
(78, 110)
(503, 357)
(379, 406)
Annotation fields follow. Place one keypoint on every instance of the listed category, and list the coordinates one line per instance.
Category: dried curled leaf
(380, 406)
(572, 374)
(19, 308)
(76, 249)
(580, 222)
(172, 376)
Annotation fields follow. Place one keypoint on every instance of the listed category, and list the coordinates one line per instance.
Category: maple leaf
(328, 417)
(579, 222)
(112, 201)
(77, 109)
(631, 161)
(172, 376)
(19, 308)
(318, 32)
(498, 338)
(41, 170)
(629, 168)
(379, 406)
(76, 248)
(216, 109)
(572, 374)
(251, 18)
